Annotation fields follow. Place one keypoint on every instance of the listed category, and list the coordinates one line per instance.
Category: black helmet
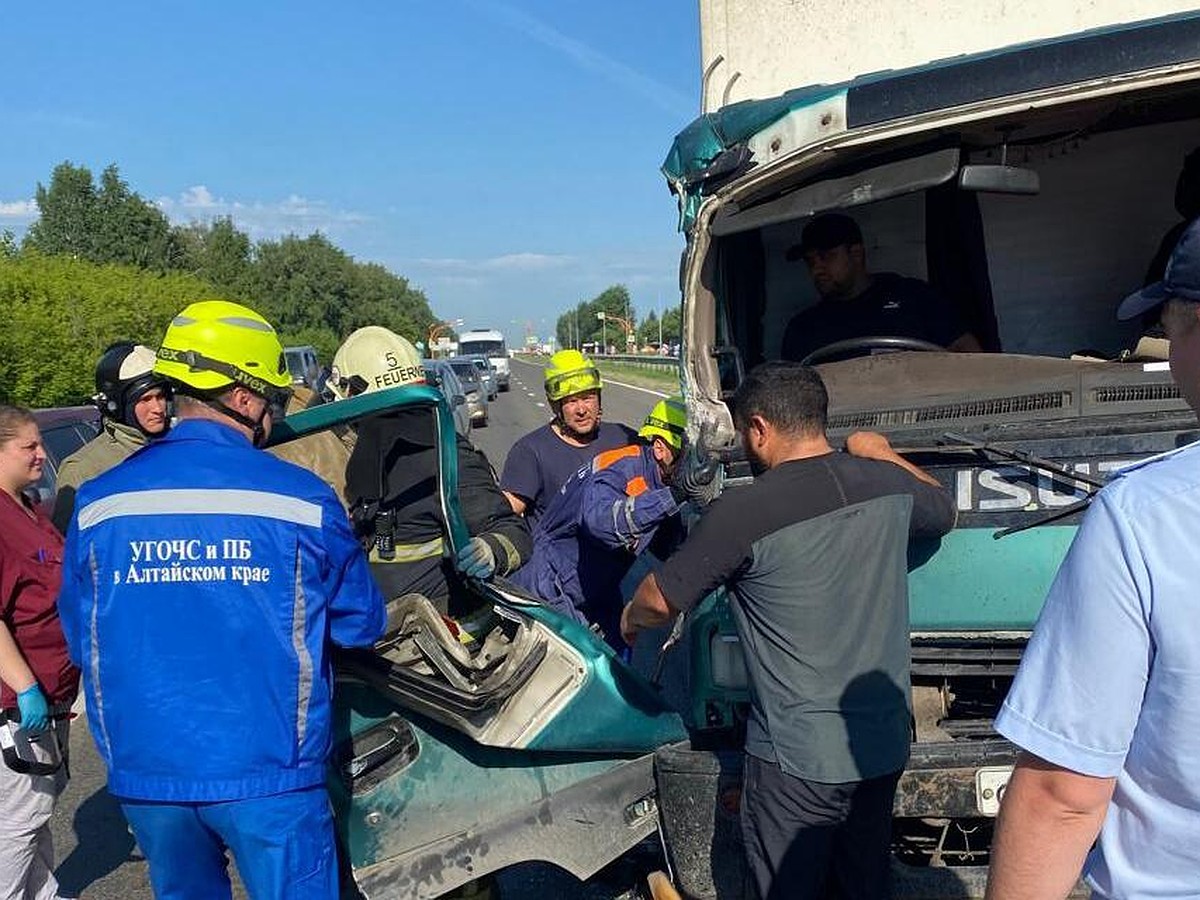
(125, 372)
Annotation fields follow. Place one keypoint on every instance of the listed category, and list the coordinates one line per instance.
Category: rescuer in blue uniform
(606, 514)
(203, 582)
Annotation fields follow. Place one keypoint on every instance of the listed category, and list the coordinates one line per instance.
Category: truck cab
(488, 343)
(1031, 187)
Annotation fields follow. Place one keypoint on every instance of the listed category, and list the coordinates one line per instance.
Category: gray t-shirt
(814, 556)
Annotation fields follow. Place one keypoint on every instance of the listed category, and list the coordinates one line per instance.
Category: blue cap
(1182, 278)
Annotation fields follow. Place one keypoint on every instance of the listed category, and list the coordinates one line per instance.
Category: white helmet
(374, 359)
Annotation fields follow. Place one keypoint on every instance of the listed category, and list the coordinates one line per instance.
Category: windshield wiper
(1034, 463)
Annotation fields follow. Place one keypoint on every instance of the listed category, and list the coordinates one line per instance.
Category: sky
(502, 155)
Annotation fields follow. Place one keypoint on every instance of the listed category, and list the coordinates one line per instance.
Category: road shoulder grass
(656, 379)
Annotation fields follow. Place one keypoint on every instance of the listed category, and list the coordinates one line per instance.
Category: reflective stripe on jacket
(586, 540)
(201, 580)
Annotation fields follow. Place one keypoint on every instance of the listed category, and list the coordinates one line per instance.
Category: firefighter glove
(475, 559)
(699, 474)
(35, 713)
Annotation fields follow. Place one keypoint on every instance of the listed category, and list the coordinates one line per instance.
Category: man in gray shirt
(814, 556)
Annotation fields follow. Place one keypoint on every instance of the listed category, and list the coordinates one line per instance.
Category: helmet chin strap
(256, 426)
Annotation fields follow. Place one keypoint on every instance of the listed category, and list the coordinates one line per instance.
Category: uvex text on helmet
(217, 344)
(374, 359)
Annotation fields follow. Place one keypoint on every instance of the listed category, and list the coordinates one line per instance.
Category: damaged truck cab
(1029, 186)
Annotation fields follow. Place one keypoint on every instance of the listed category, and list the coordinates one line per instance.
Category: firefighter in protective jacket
(392, 483)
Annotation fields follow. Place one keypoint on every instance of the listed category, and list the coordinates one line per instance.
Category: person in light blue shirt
(1106, 704)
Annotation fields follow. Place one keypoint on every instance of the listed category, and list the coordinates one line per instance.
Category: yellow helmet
(217, 344)
(668, 420)
(372, 359)
(570, 373)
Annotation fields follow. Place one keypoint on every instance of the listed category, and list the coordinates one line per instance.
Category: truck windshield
(485, 348)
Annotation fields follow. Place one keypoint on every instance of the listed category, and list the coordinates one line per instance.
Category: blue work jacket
(587, 538)
(203, 581)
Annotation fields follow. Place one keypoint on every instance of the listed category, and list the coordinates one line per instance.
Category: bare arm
(14, 671)
(518, 504)
(647, 609)
(1048, 821)
(869, 445)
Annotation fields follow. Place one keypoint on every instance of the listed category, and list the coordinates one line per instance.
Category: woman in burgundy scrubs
(38, 683)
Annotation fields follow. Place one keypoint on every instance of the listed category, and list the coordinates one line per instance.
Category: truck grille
(1136, 393)
(971, 409)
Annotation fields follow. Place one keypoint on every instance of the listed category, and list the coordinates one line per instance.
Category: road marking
(541, 405)
(634, 387)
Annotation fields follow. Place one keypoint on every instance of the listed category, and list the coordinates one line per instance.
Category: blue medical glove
(476, 559)
(35, 712)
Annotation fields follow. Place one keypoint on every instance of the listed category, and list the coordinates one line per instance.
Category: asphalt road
(97, 855)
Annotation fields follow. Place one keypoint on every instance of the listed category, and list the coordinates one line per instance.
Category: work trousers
(26, 804)
(283, 846)
(811, 841)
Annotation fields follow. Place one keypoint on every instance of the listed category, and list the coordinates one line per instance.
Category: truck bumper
(699, 794)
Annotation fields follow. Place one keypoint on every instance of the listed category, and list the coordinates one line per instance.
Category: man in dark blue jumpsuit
(606, 514)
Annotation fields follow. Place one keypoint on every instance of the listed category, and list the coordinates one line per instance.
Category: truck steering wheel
(862, 345)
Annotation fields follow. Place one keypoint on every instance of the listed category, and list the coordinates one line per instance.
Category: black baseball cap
(1181, 280)
(824, 233)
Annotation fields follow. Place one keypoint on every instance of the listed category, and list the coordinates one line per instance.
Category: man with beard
(541, 462)
(813, 555)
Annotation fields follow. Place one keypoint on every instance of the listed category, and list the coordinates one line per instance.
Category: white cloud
(591, 59)
(18, 209)
(459, 281)
(511, 262)
(260, 219)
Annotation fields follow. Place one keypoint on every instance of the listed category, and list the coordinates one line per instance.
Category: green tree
(311, 290)
(128, 230)
(61, 313)
(220, 254)
(67, 209)
(8, 245)
(648, 330)
(612, 301)
(672, 325)
(111, 224)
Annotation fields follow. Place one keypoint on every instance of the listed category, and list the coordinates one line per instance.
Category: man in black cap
(857, 303)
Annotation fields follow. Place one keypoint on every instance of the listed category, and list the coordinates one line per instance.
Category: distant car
(303, 365)
(440, 374)
(486, 373)
(64, 430)
(473, 387)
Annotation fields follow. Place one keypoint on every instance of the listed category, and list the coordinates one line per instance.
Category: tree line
(583, 325)
(102, 264)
